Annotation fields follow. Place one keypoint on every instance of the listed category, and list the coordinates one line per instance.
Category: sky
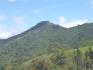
(17, 16)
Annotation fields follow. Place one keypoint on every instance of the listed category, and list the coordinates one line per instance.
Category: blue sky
(17, 16)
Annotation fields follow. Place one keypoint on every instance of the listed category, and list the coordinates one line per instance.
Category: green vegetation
(47, 46)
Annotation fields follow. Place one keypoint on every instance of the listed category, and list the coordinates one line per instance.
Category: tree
(39, 65)
(77, 59)
(60, 59)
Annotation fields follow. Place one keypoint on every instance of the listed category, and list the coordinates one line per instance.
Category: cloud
(74, 22)
(2, 17)
(62, 19)
(17, 27)
(19, 20)
(12, 0)
(11, 32)
(4, 35)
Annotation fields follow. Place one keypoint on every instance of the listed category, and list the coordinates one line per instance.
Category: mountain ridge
(47, 36)
(44, 23)
(40, 24)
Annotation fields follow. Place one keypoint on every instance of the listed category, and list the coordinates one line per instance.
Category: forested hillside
(47, 46)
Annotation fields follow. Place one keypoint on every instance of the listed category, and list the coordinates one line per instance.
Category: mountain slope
(41, 39)
(34, 40)
(84, 34)
(30, 43)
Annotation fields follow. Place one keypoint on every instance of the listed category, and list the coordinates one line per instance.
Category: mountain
(84, 34)
(41, 39)
(31, 42)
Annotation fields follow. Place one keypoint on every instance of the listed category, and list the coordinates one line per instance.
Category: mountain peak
(42, 23)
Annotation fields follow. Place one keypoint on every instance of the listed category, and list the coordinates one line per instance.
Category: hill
(44, 38)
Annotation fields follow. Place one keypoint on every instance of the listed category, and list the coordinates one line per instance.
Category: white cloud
(16, 27)
(65, 23)
(12, 0)
(62, 19)
(4, 35)
(11, 32)
(19, 20)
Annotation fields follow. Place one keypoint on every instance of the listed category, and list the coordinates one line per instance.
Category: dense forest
(47, 46)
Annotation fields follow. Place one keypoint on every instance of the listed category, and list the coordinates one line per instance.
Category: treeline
(59, 60)
(78, 60)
